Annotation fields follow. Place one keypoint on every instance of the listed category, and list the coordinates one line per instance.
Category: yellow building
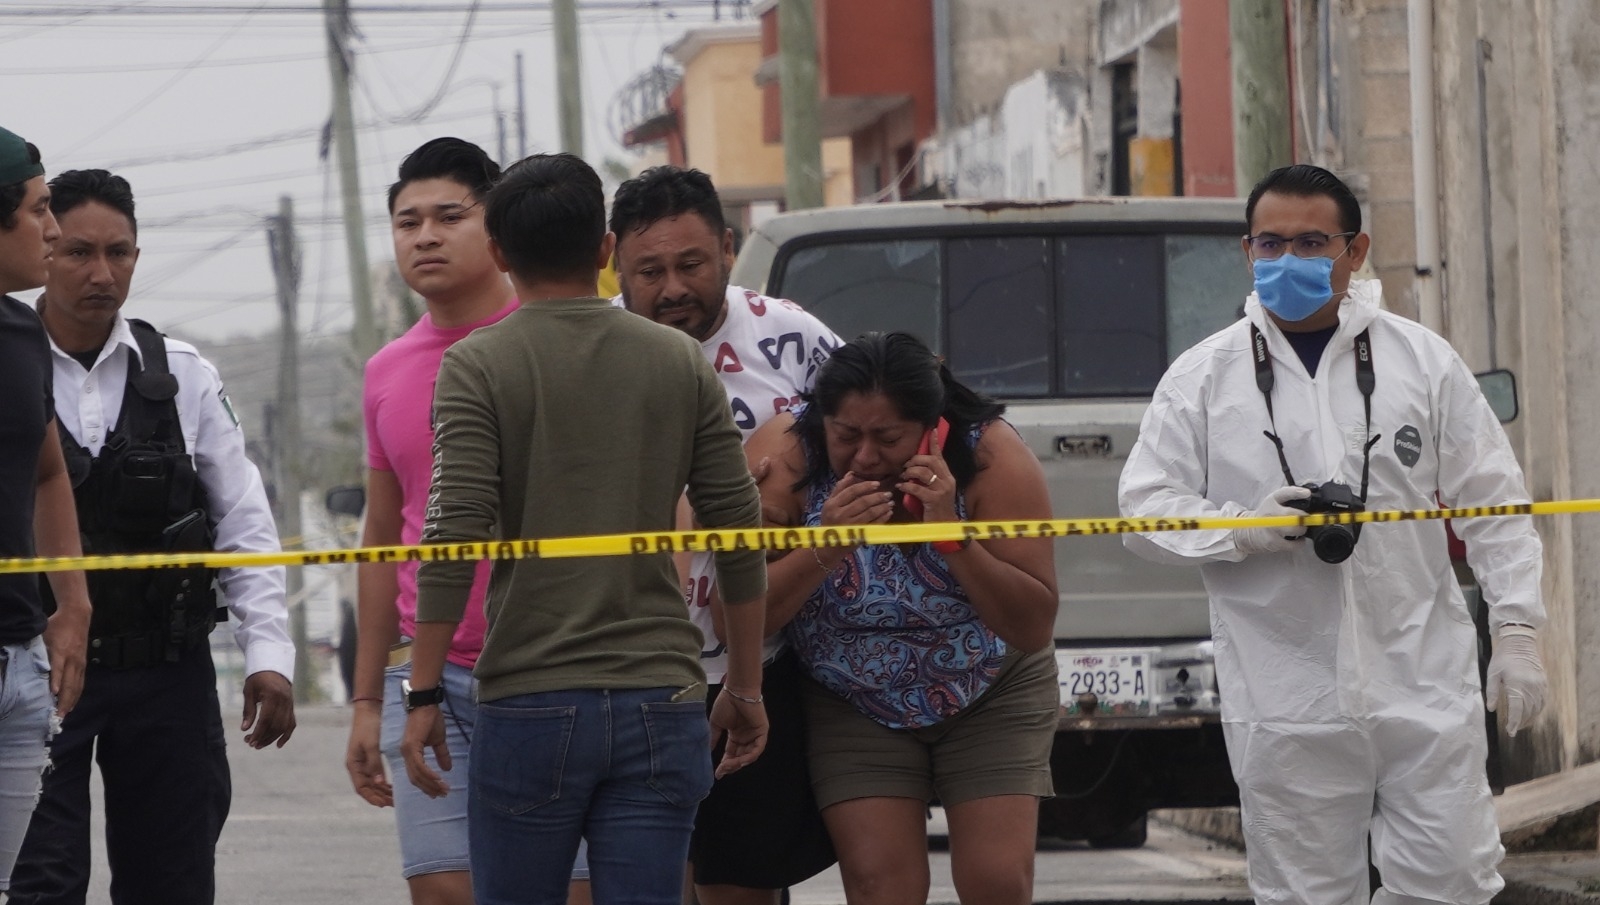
(719, 124)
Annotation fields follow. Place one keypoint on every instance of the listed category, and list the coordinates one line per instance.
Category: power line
(183, 266)
(168, 66)
(449, 72)
(228, 9)
(266, 141)
(144, 102)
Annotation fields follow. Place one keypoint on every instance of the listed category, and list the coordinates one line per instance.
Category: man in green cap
(41, 655)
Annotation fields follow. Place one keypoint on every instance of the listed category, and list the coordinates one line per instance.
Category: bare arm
(55, 532)
(377, 585)
(792, 576)
(1011, 583)
(377, 629)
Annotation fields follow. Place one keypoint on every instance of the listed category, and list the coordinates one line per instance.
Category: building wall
(1572, 36)
(1205, 77)
(996, 43)
(722, 119)
(1377, 152)
(879, 155)
(880, 48)
(838, 182)
(1033, 146)
(1519, 112)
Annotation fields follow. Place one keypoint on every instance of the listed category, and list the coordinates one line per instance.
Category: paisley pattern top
(893, 633)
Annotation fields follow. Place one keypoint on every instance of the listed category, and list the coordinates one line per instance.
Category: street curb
(1528, 893)
(1551, 878)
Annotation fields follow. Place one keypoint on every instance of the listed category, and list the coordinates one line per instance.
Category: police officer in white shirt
(158, 463)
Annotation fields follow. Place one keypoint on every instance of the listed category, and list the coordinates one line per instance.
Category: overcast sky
(240, 96)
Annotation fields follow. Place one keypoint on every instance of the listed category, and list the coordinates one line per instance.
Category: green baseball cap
(18, 163)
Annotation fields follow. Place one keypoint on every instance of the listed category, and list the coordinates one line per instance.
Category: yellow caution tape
(766, 539)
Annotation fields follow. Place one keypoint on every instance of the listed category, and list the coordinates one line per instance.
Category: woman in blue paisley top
(932, 674)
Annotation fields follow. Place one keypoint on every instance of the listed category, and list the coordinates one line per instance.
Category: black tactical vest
(141, 494)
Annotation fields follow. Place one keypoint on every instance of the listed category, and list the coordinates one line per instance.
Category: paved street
(298, 834)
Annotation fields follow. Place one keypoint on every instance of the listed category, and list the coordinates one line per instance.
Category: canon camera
(1332, 543)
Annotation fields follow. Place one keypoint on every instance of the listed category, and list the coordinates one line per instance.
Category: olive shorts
(999, 745)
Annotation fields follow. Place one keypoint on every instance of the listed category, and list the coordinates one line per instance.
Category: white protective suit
(1350, 693)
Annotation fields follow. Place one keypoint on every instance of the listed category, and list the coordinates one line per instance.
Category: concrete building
(875, 79)
(712, 121)
(1066, 99)
(1518, 103)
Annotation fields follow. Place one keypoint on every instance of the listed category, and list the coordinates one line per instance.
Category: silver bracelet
(759, 698)
(820, 564)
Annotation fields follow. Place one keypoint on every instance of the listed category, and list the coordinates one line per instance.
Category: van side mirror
(346, 499)
(1500, 388)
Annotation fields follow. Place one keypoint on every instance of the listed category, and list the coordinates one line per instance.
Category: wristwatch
(413, 698)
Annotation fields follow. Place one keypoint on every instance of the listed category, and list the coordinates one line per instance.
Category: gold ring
(932, 479)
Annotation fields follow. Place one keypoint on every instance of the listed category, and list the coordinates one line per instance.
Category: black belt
(137, 650)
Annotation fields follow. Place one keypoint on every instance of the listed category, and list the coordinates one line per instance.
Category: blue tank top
(892, 632)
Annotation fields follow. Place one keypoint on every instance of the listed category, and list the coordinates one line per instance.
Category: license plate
(1117, 678)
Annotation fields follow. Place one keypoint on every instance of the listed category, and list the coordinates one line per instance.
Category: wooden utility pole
(499, 126)
(1261, 115)
(797, 86)
(569, 86)
(522, 116)
(336, 15)
(285, 251)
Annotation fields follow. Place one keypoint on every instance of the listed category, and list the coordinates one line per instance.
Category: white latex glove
(1515, 669)
(1272, 540)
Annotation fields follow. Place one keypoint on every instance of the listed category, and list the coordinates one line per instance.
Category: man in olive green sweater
(572, 417)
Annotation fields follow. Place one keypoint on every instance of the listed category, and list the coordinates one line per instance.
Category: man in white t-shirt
(759, 830)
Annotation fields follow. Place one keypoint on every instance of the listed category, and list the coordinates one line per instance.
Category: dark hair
(548, 215)
(11, 195)
(665, 191)
(448, 158)
(1303, 180)
(918, 384)
(75, 188)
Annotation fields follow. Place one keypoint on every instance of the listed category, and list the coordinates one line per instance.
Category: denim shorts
(433, 831)
(27, 721)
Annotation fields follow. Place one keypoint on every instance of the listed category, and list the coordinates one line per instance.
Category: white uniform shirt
(766, 353)
(88, 403)
(1298, 640)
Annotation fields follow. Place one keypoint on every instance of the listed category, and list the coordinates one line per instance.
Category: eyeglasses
(1268, 246)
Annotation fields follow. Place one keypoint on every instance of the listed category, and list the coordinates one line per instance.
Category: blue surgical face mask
(1292, 287)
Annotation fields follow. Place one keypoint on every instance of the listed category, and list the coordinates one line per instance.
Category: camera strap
(1366, 382)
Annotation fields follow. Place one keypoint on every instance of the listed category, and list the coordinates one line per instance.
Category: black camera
(1332, 543)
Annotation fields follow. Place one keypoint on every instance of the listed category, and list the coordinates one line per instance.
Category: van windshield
(1031, 316)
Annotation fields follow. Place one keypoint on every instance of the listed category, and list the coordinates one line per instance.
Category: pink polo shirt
(397, 404)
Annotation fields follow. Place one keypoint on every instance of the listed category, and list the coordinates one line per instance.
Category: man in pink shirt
(442, 250)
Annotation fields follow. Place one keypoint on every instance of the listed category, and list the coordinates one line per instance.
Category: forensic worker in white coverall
(1350, 693)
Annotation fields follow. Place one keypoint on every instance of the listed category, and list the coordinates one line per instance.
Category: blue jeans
(26, 709)
(623, 768)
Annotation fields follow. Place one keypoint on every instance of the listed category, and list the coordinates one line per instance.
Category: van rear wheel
(1131, 836)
